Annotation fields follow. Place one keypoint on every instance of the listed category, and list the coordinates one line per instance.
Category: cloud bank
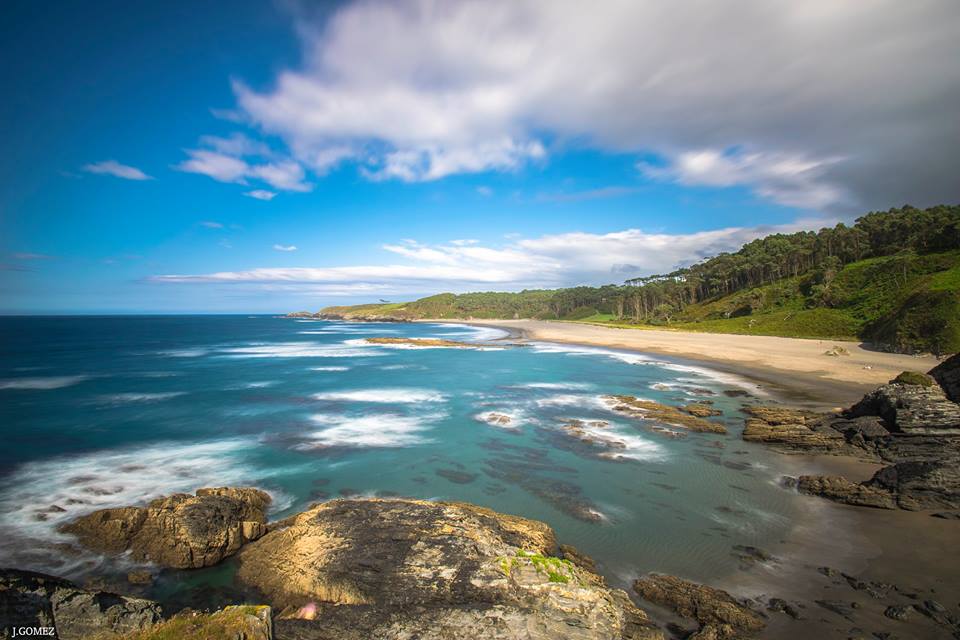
(467, 265)
(814, 104)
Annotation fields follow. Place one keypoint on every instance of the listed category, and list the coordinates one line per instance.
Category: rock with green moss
(244, 622)
(915, 378)
(402, 568)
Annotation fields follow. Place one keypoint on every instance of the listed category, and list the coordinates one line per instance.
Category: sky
(248, 157)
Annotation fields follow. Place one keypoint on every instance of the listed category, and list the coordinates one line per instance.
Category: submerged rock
(719, 614)
(179, 531)
(355, 569)
(30, 599)
(672, 416)
(701, 410)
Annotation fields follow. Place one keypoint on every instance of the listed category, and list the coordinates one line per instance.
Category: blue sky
(262, 157)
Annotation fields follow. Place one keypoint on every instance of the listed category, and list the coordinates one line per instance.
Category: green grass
(557, 570)
(907, 301)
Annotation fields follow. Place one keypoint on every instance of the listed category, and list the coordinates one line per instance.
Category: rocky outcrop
(30, 599)
(399, 568)
(243, 622)
(793, 431)
(719, 615)
(840, 489)
(947, 375)
(654, 411)
(909, 423)
(911, 408)
(179, 531)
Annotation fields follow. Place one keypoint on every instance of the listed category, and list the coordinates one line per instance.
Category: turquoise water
(108, 411)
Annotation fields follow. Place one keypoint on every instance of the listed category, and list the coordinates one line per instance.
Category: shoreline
(859, 541)
(795, 370)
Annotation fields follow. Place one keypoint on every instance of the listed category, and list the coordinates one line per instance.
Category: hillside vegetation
(892, 279)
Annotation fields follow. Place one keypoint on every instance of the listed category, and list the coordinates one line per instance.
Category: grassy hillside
(903, 302)
(891, 279)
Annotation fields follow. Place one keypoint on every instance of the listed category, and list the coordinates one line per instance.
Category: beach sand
(793, 366)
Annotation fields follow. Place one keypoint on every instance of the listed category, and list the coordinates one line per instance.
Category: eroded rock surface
(30, 599)
(910, 424)
(662, 413)
(179, 531)
(719, 614)
(398, 568)
(947, 375)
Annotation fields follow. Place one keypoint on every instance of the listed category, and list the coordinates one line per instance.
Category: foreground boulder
(719, 615)
(179, 531)
(30, 599)
(398, 568)
(947, 375)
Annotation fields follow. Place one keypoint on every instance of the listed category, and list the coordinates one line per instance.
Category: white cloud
(114, 168)
(485, 191)
(210, 224)
(227, 162)
(285, 247)
(26, 255)
(261, 194)
(788, 179)
(865, 91)
(547, 261)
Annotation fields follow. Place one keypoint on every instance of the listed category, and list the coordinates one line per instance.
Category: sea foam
(52, 382)
(395, 395)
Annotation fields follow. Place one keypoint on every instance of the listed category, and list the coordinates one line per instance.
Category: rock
(140, 577)
(672, 416)
(749, 556)
(947, 375)
(947, 515)
(793, 431)
(838, 607)
(779, 605)
(245, 622)
(921, 485)
(911, 409)
(719, 614)
(701, 410)
(839, 489)
(898, 612)
(836, 351)
(179, 531)
(403, 568)
(30, 599)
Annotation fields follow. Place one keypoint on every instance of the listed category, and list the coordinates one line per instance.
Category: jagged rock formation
(30, 599)
(398, 568)
(179, 531)
(654, 411)
(910, 423)
(947, 375)
(719, 615)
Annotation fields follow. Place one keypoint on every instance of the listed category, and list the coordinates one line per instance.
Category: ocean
(111, 411)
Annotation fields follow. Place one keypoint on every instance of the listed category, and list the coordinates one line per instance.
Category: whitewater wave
(573, 350)
(138, 398)
(371, 430)
(502, 419)
(395, 395)
(470, 332)
(332, 368)
(298, 350)
(620, 443)
(571, 386)
(571, 400)
(52, 382)
(185, 353)
(39, 496)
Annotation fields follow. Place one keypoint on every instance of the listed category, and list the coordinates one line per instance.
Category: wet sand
(794, 366)
(911, 551)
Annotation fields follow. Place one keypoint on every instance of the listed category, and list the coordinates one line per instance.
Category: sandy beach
(794, 366)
